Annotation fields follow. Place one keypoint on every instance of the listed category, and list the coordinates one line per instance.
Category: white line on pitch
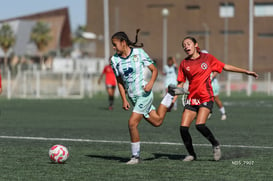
(122, 142)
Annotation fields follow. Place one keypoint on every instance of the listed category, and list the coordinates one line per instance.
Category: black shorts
(195, 108)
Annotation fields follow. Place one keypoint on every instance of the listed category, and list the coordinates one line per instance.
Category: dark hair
(123, 36)
(193, 40)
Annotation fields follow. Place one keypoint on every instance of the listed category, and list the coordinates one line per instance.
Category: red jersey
(110, 78)
(197, 71)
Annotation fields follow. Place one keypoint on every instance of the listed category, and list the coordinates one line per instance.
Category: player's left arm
(232, 68)
(148, 87)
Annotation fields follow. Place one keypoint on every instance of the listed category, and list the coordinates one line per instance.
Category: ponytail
(136, 39)
(123, 36)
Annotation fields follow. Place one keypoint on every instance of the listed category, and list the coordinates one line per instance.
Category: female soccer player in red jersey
(197, 67)
(110, 83)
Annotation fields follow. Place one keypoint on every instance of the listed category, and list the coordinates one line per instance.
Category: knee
(200, 127)
(132, 125)
(157, 124)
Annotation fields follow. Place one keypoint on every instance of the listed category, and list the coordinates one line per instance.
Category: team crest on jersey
(204, 66)
(188, 68)
(135, 58)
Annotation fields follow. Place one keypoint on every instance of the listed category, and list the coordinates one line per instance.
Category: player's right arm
(101, 76)
(122, 92)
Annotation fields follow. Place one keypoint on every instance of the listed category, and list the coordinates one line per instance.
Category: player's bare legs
(187, 118)
(218, 101)
(111, 93)
(133, 123)
(221, 107)
(157, 117)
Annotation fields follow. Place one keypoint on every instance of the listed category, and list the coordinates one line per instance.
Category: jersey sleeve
(146, 59)
(181, 76)
(217, 65)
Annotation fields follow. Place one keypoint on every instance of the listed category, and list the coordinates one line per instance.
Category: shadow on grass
(116, 158)
(164, 155)
(159, 156)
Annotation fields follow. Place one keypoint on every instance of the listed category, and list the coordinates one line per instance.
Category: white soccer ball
(58, 154)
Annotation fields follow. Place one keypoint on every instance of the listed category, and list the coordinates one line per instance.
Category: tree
(41, 37)
(7, 40)
(78, 38)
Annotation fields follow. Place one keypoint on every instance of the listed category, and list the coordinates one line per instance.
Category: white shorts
(144, 104)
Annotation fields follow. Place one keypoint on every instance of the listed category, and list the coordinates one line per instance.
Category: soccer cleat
(189, 158)
(134, 160)
(173, 90)
(223, 117)
(216, 153)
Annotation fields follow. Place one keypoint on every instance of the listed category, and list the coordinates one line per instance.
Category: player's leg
(221, 107)
(202, 116)
(133, 122)
(111, 94)
(216, 92)
(187, 118)
(173, 104)
(156, 117)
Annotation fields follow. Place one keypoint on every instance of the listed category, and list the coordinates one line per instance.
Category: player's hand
(254, 74)
(148, 87)
(126, 106)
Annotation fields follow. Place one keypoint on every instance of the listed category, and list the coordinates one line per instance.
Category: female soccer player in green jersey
(128, 64)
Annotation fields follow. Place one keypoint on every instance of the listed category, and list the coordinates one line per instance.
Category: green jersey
(131, 70)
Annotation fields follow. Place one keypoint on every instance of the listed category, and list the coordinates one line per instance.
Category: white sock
(222, 110)
(167, 100)
(135, 149)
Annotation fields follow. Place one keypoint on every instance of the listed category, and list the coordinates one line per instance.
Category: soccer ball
(58, 154)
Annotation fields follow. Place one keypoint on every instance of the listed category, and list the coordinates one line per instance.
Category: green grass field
(99, 144)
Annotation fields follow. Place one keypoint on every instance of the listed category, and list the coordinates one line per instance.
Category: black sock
(186, 137)
(111, 100)
(204, 130)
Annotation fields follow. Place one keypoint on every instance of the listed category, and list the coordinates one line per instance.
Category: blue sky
(15, 8)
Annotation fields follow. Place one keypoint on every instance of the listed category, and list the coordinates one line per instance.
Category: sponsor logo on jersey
(204, 66)
(128, 71)
(135, 58)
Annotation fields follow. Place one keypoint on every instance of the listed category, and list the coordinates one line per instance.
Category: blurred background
(54, 49)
